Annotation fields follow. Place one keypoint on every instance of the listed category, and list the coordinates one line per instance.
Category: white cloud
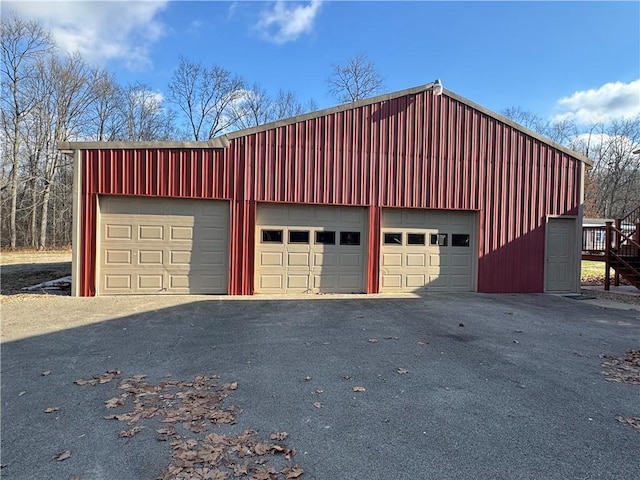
(616, 100)
(99, 30)
(285, 22)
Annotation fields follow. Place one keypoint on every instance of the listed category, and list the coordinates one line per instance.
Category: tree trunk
(14, 184)
(46, 195)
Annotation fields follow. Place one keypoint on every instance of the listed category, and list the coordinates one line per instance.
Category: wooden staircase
(620, 248)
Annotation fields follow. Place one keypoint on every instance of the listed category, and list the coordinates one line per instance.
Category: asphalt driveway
(466, 386)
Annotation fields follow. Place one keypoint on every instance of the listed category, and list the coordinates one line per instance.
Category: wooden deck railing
(618, 245)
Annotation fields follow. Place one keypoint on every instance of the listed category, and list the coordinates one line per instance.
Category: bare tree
(205, 97)
(144, 116)
(357, 79)
(613, 183)
(104, 121)
(22, 44)
(256, 107)
(560, 132)
(66, 84)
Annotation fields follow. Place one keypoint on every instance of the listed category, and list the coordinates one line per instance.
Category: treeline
(48, 97)
(612, 185)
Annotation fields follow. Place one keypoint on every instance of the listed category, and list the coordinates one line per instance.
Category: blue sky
(577, 60)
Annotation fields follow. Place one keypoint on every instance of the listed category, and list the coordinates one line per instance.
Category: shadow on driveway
(498, 386)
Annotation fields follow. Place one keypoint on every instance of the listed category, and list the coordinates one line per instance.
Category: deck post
(616, 275)
(607, 266)
(637, 239)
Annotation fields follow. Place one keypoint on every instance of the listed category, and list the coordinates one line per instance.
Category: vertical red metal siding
(180, 173)
(426, 151)
(417, 151)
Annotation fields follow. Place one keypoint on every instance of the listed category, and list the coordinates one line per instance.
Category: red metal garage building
(406, 192)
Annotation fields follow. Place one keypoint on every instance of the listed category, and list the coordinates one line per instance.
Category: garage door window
(438, 239)
(415, 238)
(459, 240)
(393, 239)
(297, 236)
(325, 238)
(271, 236)
(349, 238)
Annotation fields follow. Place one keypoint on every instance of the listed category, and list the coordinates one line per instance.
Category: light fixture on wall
(437, 87)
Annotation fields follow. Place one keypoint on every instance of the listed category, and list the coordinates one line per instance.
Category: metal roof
(223, 140)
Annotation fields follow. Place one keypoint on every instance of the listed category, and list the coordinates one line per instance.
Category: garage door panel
(298, 281)
(271, 259)
(460, 281)
(118, 257)
(298, 259)
(350, 260)
(391, 259)
(324, 283)
(213, 259)
(178, 257)
(349, 281)
(271, 282)
(151, 232)
(314, 248)
(181, 233)
(415, 280)
(150, 257)
(460, 260)
(391, 280)
(416, 260)
(150, 281)
(418, 251)
(436, 260)
(324, 259)
(172, 250)
(118, 232)
(118, 282)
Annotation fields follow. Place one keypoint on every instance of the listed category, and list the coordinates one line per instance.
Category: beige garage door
(159, 245)
(310, 249)
(428, 250)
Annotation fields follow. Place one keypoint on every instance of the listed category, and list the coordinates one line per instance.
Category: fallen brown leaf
(633, 422)
(130, 433)
(317, 404)
(60, 456)
(51, 409)
(292, 472)
(115, 402)
(402, 371)
(280, 436)
(373, 340)
(46, 373)
(359, 389)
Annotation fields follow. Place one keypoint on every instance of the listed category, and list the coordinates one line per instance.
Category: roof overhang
(68, 147)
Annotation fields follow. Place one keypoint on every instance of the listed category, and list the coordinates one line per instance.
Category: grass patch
(592, 269)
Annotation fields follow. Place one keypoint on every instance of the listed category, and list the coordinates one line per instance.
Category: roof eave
(218, 142)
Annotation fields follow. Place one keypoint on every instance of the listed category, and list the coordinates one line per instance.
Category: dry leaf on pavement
(60, 456)
(292, 472)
